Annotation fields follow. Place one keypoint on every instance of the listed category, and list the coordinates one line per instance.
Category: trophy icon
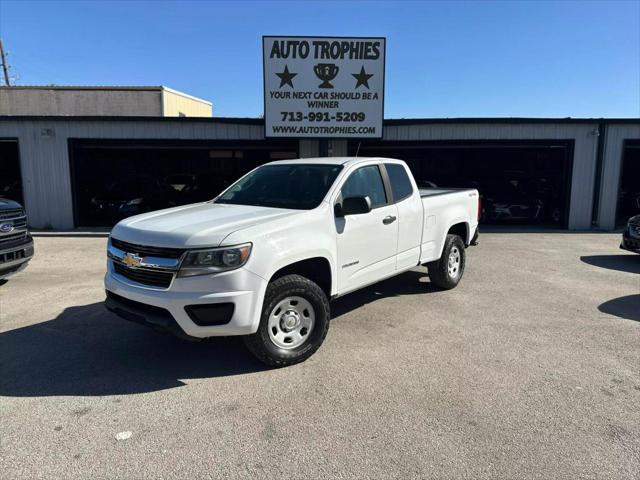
(326, 72)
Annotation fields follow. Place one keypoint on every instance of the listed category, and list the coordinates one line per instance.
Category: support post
(323, 147)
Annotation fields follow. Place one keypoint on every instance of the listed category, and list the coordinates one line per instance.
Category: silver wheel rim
(291, 322)
(453, 265)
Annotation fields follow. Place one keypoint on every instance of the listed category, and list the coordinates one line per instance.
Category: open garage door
(10, 178)
(114, 179)
(520, 182)
(629, 190)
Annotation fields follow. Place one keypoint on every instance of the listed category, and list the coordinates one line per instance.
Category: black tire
(439, 270)
(260, 343)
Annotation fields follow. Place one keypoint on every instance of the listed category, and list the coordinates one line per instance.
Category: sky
(444, 59)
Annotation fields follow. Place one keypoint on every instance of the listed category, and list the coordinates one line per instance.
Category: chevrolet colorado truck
(264, 257)
(16, 245)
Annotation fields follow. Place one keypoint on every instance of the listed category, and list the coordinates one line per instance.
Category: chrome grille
(13, 239)
(147, 265)
(11, 214)
(20, 222)
(145, 276)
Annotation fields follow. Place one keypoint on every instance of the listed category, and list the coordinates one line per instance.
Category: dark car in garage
(631, 235)
(628, 201)
(189, 188)
(131, 196)
(510, 201)
(518, 200)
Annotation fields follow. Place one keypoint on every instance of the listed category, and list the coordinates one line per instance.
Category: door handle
(388, 220)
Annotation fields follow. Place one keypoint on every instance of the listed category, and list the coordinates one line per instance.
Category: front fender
(288, 241)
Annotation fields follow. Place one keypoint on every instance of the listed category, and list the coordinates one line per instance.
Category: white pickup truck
(264, 258)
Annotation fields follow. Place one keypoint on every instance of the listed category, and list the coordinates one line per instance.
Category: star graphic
(286, 77)
(362, 78)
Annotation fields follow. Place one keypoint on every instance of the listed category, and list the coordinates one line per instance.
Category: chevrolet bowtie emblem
(131, 260)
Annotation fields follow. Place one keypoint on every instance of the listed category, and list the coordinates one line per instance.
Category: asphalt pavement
(529, 369)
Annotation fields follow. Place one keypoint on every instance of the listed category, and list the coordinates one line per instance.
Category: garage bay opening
(10, 178)
(114, 179)
(629, 190)
(520, 182)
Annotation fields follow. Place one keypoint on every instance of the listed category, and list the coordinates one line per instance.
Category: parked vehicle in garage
(550, 195)
(512, 211)
(210, 185)
(190, 188)
(628, 202)
(426, 184)
(631, 235)
(16, 245)
(131, 196)
(181, 182)
(11, 188)
(510, 202)
(264, 257)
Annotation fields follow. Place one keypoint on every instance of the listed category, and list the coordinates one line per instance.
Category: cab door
(367, 242)
(410, 215)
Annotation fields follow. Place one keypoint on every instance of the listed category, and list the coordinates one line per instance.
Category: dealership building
(578, 174)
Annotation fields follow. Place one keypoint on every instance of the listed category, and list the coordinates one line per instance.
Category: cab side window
(400, 183)
(366, 181)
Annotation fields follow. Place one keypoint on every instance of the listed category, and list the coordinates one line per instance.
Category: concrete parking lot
(529, 369)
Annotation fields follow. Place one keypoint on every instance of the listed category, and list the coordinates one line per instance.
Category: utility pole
(5, 67)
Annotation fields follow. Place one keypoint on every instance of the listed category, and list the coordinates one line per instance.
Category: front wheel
(294, 322)
(446, 272)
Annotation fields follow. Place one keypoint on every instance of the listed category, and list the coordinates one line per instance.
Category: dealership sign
(323, 87)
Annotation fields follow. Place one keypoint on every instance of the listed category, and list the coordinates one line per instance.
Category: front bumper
(241, 288)
(150, 316)
(15, 259)
(629, 241)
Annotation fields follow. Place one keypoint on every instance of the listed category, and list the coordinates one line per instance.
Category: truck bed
(432, 192)
(443, 208)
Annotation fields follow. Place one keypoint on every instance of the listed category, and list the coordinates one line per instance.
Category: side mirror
(355, 206)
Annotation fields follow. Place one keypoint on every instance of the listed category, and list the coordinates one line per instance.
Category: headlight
(214, 260)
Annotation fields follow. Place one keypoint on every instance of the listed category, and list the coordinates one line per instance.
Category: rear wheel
(446, 272)
(294, 322)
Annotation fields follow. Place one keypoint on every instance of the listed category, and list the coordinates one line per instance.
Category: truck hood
(193, 226)
(6, 204)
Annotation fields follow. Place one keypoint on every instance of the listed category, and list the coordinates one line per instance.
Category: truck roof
(332, 160)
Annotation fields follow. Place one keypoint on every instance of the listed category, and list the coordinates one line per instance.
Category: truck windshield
(294, 186)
